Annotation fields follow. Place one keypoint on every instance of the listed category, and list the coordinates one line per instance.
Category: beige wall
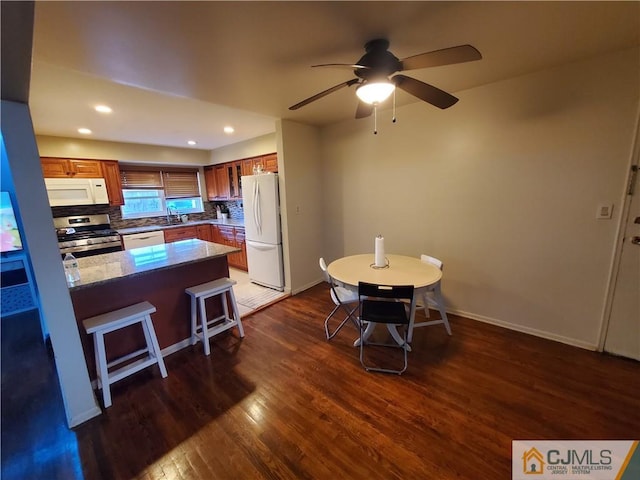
(125, 152)
(249, 148)
(503, 187)
(301, 204)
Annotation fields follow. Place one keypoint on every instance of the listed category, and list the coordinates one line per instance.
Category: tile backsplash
(115, 215)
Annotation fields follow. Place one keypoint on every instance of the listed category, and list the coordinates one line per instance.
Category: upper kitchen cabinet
(111, 175)
(264, 163)
(210, 183)
(224, 181)
(217, 182)
(247, 166)
(79, 168)
(70, 168)
(234, 175)
(270, 163)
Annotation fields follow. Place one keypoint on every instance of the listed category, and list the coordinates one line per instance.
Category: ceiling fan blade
(341, 65)
(324, 93)
(424, 91)
(446, 56)
(364, 109)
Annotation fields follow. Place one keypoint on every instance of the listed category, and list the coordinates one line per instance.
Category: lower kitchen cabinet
(242, 255)
(234, 237)
(180, 233)
(205, 232)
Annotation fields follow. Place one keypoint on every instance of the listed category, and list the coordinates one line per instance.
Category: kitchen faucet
(170, 212)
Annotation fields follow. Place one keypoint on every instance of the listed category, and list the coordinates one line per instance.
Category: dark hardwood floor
(284, 403)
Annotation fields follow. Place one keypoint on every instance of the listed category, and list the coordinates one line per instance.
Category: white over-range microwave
(76, 191)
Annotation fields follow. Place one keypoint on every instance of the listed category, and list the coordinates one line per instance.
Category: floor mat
(252, 296)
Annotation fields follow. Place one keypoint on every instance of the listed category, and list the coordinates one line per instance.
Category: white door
(623, 332)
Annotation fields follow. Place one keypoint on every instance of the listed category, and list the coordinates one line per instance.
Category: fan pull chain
(393, 120)
(375, 119)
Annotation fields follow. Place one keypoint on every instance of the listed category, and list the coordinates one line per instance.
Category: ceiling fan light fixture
(374, 93)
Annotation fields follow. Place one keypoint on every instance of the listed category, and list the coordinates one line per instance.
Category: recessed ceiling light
(228, 129)
(103, 109)
(192, 142)
(84, 131)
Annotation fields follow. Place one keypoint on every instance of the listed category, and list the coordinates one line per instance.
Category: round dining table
(398, 270)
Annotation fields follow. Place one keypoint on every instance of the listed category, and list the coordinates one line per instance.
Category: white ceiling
(174, 71)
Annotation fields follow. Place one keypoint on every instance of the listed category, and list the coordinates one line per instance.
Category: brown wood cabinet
(217, 182)
(180, 233)
(70, 168)
(270, 163)
(247, 166)
(216, 178)
(205, 232)
(234, 175)
(234, 237)
(267, 163)
(53, 167)
(111, 175)
(224, 181)
(210, 182)
(242, 245)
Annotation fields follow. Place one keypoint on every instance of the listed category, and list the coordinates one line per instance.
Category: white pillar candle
(379, 252)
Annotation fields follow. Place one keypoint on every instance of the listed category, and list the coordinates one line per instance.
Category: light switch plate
(605, 210)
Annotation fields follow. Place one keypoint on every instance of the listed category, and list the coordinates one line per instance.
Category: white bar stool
(112, 321)
(209, 328)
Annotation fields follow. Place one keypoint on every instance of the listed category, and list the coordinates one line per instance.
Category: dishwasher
(146, 239)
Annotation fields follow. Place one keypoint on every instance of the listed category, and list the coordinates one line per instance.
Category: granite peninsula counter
(108, 267)
(158, 274)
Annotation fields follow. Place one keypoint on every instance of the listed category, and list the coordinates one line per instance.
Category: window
(143, 203)
(151, 192)
(185, 205)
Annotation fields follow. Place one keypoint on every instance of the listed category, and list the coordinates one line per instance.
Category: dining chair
(343, 298)
(432, 296)
(384, 304)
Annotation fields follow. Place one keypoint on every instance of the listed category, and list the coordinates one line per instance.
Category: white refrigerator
(262, 229)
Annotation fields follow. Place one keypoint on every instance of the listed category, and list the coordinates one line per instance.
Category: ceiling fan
(374, 70)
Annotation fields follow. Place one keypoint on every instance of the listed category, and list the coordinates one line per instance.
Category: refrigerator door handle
(256, 207)
(260, 246)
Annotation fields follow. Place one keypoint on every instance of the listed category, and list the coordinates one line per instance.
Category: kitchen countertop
(151, 228)
(103, 268)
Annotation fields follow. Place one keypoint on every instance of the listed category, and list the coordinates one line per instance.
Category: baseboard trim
(528, 330)
(175, 347)
(306, 287)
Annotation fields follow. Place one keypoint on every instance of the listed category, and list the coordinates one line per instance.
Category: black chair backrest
(401, 292)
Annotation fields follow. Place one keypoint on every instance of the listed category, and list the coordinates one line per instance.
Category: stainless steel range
(86, 235)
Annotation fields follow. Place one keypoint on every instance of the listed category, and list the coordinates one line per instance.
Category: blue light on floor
(54, 452)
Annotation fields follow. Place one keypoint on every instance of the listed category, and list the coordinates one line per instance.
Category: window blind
(181, 184)
(140, 179)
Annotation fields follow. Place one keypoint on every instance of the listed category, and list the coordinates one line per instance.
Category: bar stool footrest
(130, 369)
(202, 328)
(126, 358)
